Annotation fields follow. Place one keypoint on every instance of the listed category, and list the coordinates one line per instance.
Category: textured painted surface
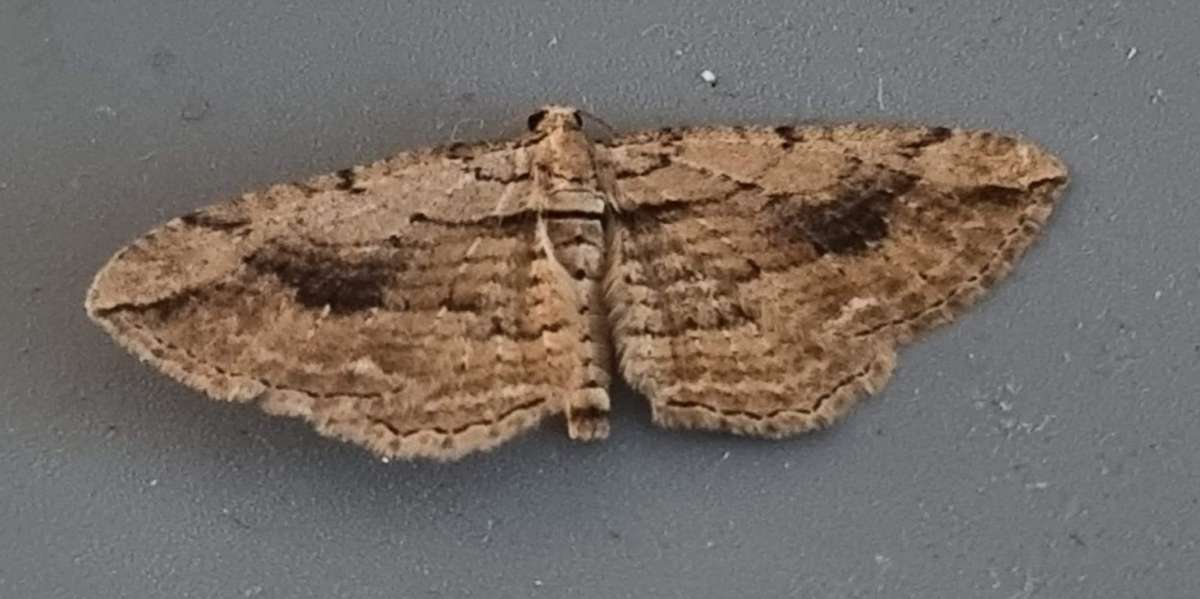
(1042, 447)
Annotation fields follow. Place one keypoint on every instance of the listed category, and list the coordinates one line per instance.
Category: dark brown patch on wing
(849, 223)
(323, 278)
(790, 136)
(345, 179)
(163, 309)
(348, 181)
(933, 135)
(993, 194)
(216, 222)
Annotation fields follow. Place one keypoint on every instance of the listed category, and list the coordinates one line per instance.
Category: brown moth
(439, 302)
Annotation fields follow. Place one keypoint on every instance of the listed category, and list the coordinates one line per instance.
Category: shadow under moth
(746, 279)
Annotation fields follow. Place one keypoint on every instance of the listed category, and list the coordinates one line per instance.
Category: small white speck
(1038, 485)
(1158, 294)
(553, 42)
(1132, 52)
(385, 460)
(153, 482)
(709, 77)
(537, 583)
(1045, 420)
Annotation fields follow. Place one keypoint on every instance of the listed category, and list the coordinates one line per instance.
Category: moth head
(552, 117)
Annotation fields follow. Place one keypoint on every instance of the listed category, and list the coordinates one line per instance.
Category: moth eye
(535, 119)
(578, 119)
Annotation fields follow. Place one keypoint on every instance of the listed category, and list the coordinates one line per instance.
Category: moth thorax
(562, 163)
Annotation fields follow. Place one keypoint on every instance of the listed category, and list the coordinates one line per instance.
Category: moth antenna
(609, 128)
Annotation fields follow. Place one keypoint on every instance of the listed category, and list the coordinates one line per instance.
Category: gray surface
(1045, 446)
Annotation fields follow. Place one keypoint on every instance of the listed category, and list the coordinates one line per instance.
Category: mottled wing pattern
(761, 279)
(408, 306)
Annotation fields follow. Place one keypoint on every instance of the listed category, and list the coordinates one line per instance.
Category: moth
(745, 279)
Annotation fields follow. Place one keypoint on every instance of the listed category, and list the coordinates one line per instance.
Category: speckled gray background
(1046, 446)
